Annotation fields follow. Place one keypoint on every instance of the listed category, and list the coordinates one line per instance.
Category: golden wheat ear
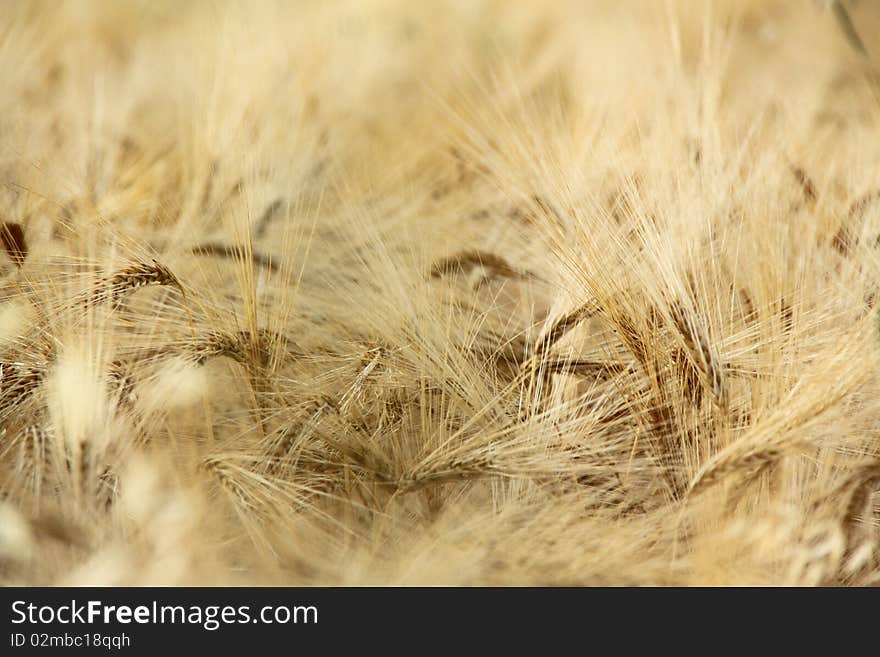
(114, 287)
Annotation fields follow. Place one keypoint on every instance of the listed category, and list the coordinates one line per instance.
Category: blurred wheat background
(455, 292)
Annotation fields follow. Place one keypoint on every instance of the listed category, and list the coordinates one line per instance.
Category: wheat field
(465, 292)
